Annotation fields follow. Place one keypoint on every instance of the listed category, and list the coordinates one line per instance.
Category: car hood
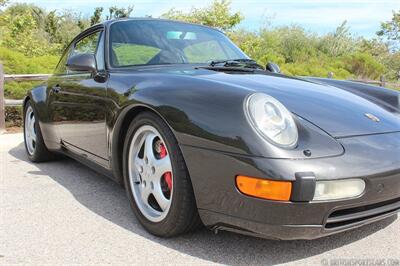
(339, 112)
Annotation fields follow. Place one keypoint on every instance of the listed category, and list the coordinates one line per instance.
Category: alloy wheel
(150, 173)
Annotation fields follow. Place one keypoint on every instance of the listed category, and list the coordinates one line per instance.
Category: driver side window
(87, 45)
(92, 44)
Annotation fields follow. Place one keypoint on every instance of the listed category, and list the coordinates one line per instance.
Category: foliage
(96, 17)
(18, 63)
(30, 30)
(3, 2)
(391, 29)
(22, 31)
(217, 15)
(115, 12)
(363, 65)
(339, 42)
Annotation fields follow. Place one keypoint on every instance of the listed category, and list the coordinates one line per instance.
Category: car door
(78, 103)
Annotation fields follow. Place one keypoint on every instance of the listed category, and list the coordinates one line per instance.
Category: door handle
(56, 89)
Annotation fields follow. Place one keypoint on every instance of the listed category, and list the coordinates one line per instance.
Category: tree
(218, 15)
(23, 30)
(70, 25)
(96, 17)
(391, 29)
(3, 2)
(339, 42)
(51, 26)
(115, 12)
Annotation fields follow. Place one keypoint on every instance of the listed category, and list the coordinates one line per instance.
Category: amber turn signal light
(265, 189)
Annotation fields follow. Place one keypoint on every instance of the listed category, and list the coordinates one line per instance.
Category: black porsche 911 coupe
(198, 133)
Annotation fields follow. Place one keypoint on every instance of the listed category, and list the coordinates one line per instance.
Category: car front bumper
(373, 158)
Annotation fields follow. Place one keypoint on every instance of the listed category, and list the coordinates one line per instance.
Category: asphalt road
(64, 213)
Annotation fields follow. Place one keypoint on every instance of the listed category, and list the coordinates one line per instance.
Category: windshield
(156, 42)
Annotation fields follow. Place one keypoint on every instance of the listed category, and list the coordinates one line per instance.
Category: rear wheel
(34, 144)
(156, 178)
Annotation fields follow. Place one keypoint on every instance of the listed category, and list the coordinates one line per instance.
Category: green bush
(364, 65)
(18, 90)
(17, 63)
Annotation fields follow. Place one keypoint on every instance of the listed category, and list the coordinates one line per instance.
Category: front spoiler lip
(282, 232)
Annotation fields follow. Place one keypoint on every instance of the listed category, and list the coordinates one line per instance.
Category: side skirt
(82, 157)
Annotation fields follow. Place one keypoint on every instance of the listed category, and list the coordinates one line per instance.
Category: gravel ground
(64, 213)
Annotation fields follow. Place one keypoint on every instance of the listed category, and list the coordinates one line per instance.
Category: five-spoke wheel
(150, 173)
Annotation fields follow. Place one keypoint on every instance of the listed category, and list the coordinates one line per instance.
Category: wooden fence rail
(381, 82)
(26, 77)
(39, 77)
(5, 102)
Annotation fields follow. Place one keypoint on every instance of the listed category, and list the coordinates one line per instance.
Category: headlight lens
(338, 189)
(272, 120)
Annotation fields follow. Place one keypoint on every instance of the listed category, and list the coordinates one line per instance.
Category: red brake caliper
(167, 175)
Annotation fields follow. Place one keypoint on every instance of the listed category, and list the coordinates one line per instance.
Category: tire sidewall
(32, 156)
(40, 153)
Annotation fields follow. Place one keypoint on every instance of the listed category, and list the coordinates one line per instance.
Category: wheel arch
(25, 100)
(119, 132)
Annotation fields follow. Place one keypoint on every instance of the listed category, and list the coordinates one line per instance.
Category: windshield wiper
(243, 63)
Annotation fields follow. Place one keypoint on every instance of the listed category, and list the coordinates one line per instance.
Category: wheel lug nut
(144, 183)
(153, 170)
(151, 185)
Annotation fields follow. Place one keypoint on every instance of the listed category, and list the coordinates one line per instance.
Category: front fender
(210, 115)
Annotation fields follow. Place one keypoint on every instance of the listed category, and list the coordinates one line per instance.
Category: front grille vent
(352, 216)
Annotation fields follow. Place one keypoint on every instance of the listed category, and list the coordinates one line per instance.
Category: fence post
(330, 75)
(383, 81)
(2, 103)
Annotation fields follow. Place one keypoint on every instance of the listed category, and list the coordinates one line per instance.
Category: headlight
(271, 120)
(338, 189)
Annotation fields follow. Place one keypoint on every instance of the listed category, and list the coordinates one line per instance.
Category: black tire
(40, 153)
(182, 216)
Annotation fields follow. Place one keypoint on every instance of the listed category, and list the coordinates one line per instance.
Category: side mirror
(82, 62)
(272, 67)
